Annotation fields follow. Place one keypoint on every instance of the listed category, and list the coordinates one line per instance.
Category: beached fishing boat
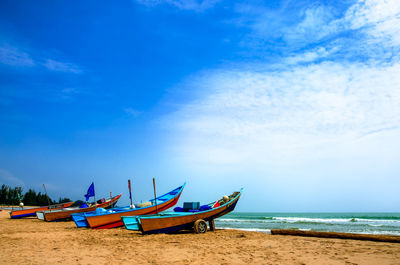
(190, 219)
(32, 211)
(65, 213)
(103, 219)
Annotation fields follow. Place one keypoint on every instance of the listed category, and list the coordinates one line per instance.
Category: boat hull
(80, 220)
(32, 211)
(174, 222)
(65, 214)
(113, 220)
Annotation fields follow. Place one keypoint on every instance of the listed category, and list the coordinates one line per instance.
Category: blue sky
(296, 101)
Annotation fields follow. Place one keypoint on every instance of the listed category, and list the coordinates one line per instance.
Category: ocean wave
(234, 220)
(366, 232)
(377, 232)
(268, 231)
(314, 221)
(395, 221)
(334, 220)
(370, 217)
(283, 220)
(375, 225)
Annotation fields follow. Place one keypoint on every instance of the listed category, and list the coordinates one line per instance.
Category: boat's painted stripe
(110, 225)
(14, 214)
(22, 215)
(170, 229)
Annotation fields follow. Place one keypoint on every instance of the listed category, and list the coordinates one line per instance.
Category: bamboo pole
(155, 195)
(379, 238)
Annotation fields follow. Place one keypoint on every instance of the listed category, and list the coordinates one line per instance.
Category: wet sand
(30, 241)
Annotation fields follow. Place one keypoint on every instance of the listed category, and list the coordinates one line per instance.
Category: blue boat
(104, 219)
(190, 219)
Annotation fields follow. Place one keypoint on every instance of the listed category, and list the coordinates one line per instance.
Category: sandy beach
(30, 241)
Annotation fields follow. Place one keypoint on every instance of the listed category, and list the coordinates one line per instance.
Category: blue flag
(90, 192)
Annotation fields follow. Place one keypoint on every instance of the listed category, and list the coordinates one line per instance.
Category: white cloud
(316, 24)
(15, 57)
(245, 115)
(367, 30)
(132, 112)
(196, 5)
(296, 27)
(58, 66)
(9, 179)
(379, 19)
(70, 92)
(310, 56)
(250, 115)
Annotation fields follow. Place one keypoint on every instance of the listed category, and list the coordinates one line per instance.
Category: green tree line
(13, 196)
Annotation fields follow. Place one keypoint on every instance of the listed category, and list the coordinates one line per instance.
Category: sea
(362, 223)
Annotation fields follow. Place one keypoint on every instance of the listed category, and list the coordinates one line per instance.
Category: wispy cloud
(58, 66)
(15, 57)
(250, 114)
(196, 5)
(294, 25)
(317, 23)
(132, 112)
(8, 178)
(365, 30)
(310, 56)
(379, 21)
(70, 92)
(288, 110)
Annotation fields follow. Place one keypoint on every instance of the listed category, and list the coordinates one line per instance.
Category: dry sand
(30, 241)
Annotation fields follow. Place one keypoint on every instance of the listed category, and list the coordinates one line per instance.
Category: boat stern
(40, 215)
(131, 222)
(80, 220)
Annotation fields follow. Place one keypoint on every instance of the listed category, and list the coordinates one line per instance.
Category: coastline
(369, 223)
(36, 242)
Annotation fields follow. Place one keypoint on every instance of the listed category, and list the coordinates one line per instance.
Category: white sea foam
(356, 224)
(268, 231)
(334, 220)
(312, 220)
(229, 220)
(375, 225)
(377, 222)
(375, 232)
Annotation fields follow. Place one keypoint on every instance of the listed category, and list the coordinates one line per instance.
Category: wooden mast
(95, 202)
(155, 195)
(48, 200)
(130, 191)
